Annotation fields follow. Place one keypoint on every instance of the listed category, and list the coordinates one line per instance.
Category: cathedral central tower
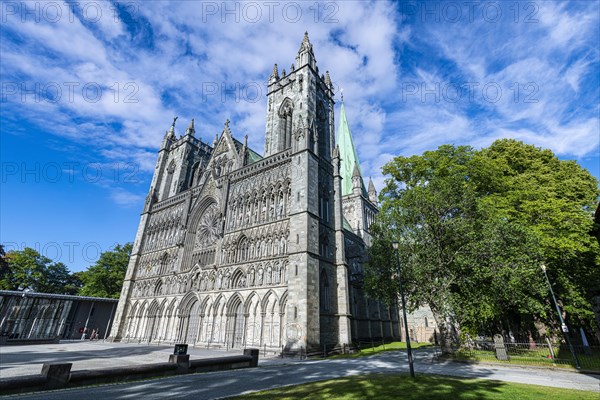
(300, 106)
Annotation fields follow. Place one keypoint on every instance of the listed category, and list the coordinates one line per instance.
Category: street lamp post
(562, 322)
(408, 348)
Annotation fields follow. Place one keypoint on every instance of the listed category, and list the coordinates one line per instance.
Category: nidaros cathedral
(241, 250)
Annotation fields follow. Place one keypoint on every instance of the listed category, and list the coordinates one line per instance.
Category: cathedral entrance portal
(193, 324)
(235, 324)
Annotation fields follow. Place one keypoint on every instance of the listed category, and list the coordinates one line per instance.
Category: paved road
(275, 374)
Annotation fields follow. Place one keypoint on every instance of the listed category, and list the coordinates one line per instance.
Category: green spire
(348, 155)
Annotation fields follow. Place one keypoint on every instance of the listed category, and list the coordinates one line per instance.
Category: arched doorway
(235, 323)
(193, 323)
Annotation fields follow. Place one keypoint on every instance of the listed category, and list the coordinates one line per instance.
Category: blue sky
(88, 91)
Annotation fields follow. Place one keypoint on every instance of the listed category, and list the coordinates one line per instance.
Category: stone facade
(238, 250)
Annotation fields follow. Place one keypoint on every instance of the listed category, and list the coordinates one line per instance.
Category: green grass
(368, 351)
(382, 387)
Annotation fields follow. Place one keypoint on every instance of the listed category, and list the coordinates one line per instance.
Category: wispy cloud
(210, 60)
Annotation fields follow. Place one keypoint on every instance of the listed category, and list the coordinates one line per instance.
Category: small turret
(171, 132)
(190, 130)
(372, 192)
(274, 75)
(328, 80)
(305, 54)
(357, 185)
(169, 135)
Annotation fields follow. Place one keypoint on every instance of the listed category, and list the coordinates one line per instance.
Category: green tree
(429, 208)
(4, 270)
(105, 278)
(555, 200)
(28, 269)
(474, 228)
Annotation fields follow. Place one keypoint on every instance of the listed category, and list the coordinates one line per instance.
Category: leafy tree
(74, 283)
(4, 270)
(105, 278)
(556, 200)
(473, 229)
(28, 269)
(428, 208)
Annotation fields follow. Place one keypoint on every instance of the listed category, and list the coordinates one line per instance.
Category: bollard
(254, 354)
(182, 361)
(57, 374)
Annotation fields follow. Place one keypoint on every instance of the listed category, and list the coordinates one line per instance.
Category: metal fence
(540, 354)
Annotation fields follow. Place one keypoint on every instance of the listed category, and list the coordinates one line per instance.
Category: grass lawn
(534, 358)
(368, 351)
(382, 387)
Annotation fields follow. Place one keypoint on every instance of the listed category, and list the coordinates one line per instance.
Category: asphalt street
(276, 373)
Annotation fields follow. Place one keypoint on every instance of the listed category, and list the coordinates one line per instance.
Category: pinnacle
(275, 73)
(371, 186)
(190, 130)
(327, 78)
(171, 131)
(306, 45)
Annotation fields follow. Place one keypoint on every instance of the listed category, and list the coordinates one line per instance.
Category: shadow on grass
(394, 386)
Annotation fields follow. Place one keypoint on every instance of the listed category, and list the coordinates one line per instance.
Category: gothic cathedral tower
(300, 119)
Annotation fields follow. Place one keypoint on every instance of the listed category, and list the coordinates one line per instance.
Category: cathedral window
(285, 124)
(194, 174)
(169, 181)
(324, 292)
(322, 129)
(324, 207)
(324, 246)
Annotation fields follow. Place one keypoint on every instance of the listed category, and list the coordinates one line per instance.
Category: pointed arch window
(194, 174)
(324, 292)
(322, 130)
(169, 182)
(285, 124)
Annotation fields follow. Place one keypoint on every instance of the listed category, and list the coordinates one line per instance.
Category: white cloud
(171, 53)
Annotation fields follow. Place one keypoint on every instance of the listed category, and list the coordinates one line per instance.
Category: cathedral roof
(349, 159)
(253, 156)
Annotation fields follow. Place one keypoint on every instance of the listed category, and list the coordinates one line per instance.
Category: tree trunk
(447, 335)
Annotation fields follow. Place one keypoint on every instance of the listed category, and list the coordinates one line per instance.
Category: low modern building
(43, 316)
